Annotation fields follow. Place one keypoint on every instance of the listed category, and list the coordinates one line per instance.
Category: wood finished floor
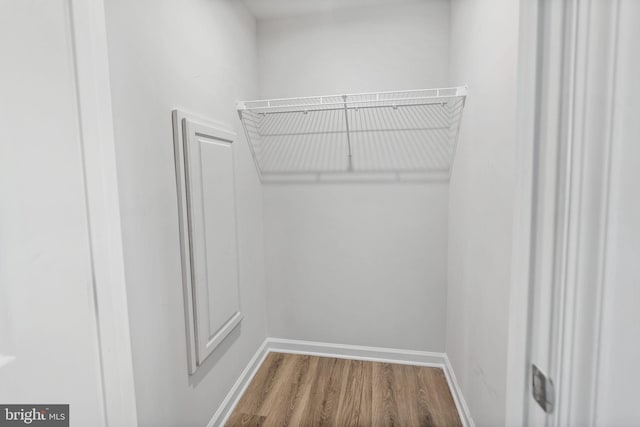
(297, 390)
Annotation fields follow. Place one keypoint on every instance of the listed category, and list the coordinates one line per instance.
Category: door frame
(88, 31)
(586, 77)
(519, 296)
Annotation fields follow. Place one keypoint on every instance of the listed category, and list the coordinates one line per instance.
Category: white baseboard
(357, 352)
(456, 392)
(343, 351)
(233, 397)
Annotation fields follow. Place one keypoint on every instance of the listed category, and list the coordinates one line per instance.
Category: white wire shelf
(382, 134)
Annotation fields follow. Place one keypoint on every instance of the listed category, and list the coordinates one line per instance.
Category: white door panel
(205, 172)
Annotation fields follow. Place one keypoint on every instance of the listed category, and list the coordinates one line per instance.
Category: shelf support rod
(346, 120)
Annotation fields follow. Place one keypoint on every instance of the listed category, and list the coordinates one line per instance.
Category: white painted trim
(456, 392)
(357, 352)
(88, 30)
(519, 292)
(341, 351)
(185, 127)
(229, 403)
(579, 93)
(592, 89)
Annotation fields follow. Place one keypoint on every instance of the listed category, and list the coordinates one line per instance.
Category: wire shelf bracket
(381, 135)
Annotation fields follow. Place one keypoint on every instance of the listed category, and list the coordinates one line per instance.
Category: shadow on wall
(210, 362)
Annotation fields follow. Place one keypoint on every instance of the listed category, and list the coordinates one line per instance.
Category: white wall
(198, 55)
(365, 49)
(47, 316)
(357, 263)
(619, 374)
(484, 40)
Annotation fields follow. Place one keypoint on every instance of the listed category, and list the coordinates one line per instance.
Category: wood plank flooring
(297, 390)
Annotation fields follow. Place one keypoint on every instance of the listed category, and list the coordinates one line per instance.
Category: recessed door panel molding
(208, 234)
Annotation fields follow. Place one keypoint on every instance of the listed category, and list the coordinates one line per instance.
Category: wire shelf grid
(392, 133)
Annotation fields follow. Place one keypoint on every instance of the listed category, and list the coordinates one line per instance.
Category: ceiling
(269, 9)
